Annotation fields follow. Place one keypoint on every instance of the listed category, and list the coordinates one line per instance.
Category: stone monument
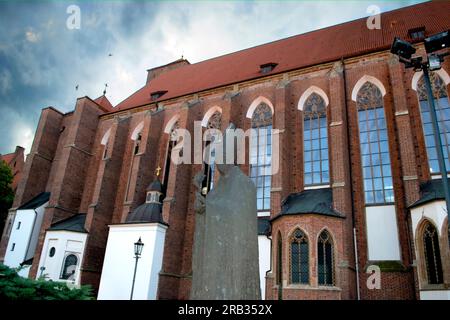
(225, 261)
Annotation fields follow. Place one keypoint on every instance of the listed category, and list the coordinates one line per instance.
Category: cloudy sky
(42, 61)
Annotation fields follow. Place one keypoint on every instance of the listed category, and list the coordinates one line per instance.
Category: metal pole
(134, 277)
(356, 264)
(437, 137)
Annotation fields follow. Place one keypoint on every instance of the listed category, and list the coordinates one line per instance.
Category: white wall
(19, 238)
(25, 271)
(382, 233)
(35, 233)
(64, 242)
(25, 238)
(118, 265)
(264, 261)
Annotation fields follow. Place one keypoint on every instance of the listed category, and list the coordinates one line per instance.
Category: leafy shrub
(15, 287)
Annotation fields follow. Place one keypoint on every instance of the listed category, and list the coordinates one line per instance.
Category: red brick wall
(312, 225)
(69, 171)
(37, 167)
(108, 189)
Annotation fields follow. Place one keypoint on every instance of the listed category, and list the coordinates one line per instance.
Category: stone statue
(225, 261)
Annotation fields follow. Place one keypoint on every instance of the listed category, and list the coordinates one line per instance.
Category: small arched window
(214, 122)
(105, 143)
(315, 141)
(170, 145)
(375, 159)
(443, 116)
(432, 254)
(261, 155)
(69, 267)
(299, 258)
(325, 259)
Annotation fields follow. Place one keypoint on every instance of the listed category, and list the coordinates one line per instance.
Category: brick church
(357, 189)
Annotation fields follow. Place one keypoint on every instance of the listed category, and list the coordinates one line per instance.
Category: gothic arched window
(105, 143)
(261, 155)
(375, 159)
(315, 141)
(299, 258)
(209, 161)
(170, 145)
(443, 116)
(69, 267)
(136, 138)
(432, 254)
(325, 259)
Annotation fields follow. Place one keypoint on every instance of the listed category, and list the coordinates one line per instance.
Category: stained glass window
(299, 258)
(375, 159)
(325, 259)
(443, 116)
(315, 141)
(432, 254)
(261, 155)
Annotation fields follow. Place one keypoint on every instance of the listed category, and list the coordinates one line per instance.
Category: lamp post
(137, 254)
(404, 51)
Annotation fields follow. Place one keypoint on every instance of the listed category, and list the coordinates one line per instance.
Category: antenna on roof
(104, 91)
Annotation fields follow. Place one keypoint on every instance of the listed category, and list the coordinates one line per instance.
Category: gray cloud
(42, 61)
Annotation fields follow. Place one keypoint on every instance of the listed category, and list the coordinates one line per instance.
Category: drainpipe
(355, 244)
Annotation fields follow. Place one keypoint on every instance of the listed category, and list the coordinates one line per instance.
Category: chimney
(155, 72)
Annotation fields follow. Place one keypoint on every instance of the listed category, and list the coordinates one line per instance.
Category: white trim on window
(310, 91)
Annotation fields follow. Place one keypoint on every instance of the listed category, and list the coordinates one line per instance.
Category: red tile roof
(325, 45)
(104, 102)
(8, 157)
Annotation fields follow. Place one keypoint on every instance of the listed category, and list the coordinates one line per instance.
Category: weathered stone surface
(225, 262)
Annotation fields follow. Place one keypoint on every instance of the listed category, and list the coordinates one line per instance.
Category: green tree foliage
(15, 287)
(6, 192)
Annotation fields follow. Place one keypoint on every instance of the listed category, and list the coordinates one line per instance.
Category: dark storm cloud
(41, 60)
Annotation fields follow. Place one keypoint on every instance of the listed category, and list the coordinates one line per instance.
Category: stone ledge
(401, 113)
(335, 123)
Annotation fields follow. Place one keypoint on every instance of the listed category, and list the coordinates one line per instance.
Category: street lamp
(137, 254)
(404, 50)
